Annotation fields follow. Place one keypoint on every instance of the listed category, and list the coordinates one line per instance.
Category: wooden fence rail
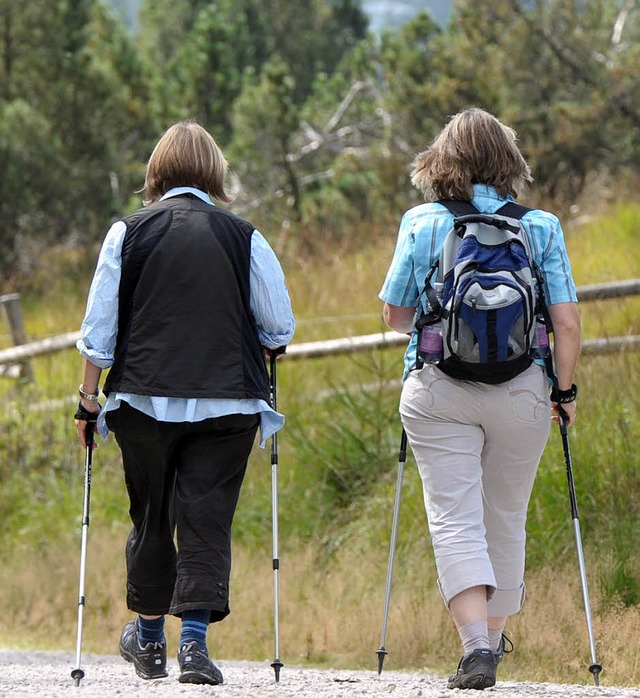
(13, 312)
(381, 340)
(611, 289)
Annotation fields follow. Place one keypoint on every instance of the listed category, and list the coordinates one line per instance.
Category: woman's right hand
(85, 418)
(81, 431)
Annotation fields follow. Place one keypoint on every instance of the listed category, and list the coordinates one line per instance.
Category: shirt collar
(486, 198)
(177, 191)
(489, 192)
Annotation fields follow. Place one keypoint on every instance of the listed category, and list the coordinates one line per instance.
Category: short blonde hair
(186, 155)
(473, 148)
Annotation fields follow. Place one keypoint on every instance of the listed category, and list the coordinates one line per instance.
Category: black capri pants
(184, 482)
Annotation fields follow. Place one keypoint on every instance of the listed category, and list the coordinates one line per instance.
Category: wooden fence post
(13, 311)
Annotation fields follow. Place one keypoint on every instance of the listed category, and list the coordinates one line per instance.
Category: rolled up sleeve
(99, 328)
(400, 287)
(559, 286)
(270, 302)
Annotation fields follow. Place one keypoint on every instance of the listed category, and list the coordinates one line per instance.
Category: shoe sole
(198, 677)
(478, 682)
(128, 657)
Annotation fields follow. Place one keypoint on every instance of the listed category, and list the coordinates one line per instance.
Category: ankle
(495, 638)
(150, 630)
(194, 627)
(474, 636)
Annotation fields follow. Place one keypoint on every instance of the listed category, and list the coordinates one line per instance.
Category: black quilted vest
(185, 328)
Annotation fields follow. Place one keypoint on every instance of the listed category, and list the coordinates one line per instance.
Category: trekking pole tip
(277, 665)
(77, 675)
(382, 653)
(595, 669)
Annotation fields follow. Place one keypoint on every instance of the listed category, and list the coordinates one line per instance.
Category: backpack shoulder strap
(517, 211)
(513, 210)
(458, 207)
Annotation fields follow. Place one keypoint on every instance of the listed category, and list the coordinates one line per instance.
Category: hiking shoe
(196, 667)
(505, 647)
(150, 661)
(476, 670)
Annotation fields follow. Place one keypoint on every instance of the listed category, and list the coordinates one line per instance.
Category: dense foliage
(320, 118)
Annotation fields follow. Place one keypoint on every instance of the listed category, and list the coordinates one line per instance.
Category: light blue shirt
(423, 230)
(269, 303)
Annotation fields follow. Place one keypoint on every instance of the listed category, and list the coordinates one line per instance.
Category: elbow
(569, 326)
(386, 315)
(398, 318)
(565, 319)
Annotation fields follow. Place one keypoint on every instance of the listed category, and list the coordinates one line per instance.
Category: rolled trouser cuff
(201, 592)
(151, 601)
(507, 602)
(464, 575)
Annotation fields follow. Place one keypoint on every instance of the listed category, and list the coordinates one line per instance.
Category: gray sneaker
(476, 670)
(196, 667)
(150, 661)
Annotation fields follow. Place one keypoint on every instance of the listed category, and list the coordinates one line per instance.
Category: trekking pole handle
(272, 380)
(564, 432)
(89, 434)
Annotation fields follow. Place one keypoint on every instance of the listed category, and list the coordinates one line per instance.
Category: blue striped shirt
(270, 305)
(422, 233)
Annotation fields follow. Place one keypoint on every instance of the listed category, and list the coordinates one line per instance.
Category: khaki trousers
(477, 448)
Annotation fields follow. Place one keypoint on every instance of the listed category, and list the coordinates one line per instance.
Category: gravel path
(48, 674)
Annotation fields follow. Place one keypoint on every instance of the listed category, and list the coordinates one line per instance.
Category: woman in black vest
(185, 299)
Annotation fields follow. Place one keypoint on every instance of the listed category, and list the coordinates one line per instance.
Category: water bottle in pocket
(429, 339)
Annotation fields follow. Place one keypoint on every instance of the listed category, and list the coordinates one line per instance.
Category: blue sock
(150, 630)
(194, 627)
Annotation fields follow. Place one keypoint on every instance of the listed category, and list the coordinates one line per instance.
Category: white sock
(474, 636)
(495, 635)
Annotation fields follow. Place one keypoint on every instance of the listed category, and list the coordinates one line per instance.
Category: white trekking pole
(77, 673)
(276, 664)
(402, 459)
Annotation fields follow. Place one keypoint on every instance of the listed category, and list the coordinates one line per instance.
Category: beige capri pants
(477, 448)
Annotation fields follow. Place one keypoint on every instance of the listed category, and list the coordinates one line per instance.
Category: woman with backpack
(478, 439)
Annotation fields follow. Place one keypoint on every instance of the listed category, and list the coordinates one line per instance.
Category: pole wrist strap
(562, 397)
(84, 415)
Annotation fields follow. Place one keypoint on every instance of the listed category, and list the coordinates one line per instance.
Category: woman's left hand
(568, 412)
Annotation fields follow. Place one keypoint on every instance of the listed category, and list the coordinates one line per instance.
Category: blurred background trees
(320, 117)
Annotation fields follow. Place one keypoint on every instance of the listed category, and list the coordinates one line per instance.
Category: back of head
(473, 148)
(186, 155)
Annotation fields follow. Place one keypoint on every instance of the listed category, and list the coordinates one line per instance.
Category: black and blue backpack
(485, 291)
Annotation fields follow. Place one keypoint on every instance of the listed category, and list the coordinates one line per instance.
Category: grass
(337, 475)
(341, 601)
(602, 249)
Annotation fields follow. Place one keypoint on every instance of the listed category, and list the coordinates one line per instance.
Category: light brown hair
(473, 148)
(186, 155)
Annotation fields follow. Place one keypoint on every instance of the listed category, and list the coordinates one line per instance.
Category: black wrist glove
(562, 397)
(83, 414)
